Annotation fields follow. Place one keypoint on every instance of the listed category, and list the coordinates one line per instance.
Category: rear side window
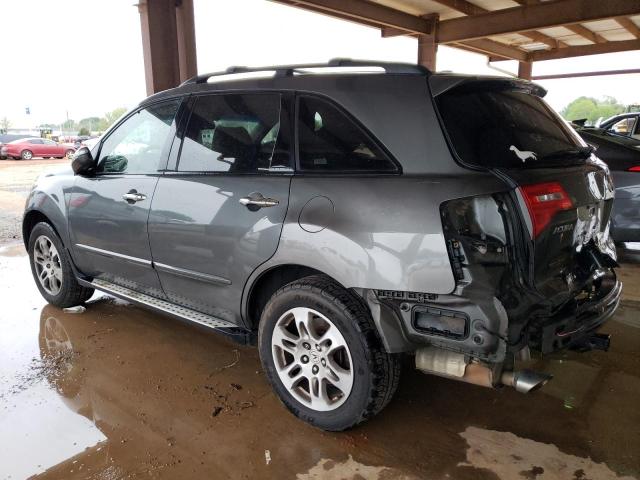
(35, 141)
(498, 128)
(329, 141)
(234, 133)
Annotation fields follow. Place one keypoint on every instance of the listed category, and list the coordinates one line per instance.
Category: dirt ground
(16, 178)
(121, 392)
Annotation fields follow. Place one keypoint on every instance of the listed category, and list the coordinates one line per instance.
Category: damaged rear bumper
(575, 330)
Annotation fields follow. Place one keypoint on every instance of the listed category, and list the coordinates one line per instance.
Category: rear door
(564, 192)
(218, 214)
(108, 211)
(50, 148)
(37, 147)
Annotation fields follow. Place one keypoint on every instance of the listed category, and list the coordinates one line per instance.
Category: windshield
(505, 128)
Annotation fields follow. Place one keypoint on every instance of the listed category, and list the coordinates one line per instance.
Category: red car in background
(28, 148)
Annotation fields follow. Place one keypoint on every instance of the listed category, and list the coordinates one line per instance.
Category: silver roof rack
(288, 70)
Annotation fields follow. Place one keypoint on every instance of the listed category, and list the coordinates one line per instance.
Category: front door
(37, 147)
(219, 214)
(108, 211)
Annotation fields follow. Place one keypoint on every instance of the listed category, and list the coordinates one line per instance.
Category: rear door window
(235, 133)
(624, 126)
(330, 141)
(506, 128)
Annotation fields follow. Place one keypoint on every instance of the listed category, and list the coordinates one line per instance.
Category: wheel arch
(30, 220)
(260, 288)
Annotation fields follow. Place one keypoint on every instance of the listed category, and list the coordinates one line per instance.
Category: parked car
(6, 138)
(28, 148)
(625, 124)
(622, 155)
(339, 220)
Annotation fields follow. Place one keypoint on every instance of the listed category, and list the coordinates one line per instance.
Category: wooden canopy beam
(533, 17)
(468, 8)
(584, 32)
(578, 29)
(493, 48)
(587, 74)
(629, 26)
(584, 50)
(367, 12)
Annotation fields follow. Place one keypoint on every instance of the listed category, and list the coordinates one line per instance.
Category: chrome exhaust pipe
(525, 381)
(444, 363)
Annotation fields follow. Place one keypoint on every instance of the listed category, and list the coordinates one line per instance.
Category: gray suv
(340, 218)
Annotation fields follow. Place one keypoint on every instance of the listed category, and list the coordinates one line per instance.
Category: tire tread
(73, 292)
(385, 367)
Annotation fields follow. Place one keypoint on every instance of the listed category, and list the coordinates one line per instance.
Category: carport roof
(523, 30)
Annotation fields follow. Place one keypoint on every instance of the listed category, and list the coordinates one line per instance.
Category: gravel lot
(16, 178)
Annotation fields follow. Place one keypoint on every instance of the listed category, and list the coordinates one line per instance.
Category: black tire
(26, 155)
(69, 153)
(70, 292)
(376, 373)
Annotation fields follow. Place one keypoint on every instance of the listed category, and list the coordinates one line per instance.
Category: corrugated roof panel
(420, 7)
(617, 35)
(494, 4)
(602, 25)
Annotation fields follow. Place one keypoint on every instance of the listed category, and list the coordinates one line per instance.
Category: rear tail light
(543, 201)
(634, 169)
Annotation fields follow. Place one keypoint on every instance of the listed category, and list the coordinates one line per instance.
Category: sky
(81, 58)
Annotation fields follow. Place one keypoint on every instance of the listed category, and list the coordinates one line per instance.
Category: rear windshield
(499, 128)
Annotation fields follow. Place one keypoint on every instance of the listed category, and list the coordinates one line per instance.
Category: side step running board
(237, 333)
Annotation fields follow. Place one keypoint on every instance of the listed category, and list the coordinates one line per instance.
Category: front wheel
(26, 155)
(69, 153)
(323, 356)
(51, 269)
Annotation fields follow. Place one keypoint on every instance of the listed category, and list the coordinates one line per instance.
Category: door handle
(256, 201)
(133, 197)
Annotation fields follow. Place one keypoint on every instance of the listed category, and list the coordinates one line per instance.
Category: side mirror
(83, 162)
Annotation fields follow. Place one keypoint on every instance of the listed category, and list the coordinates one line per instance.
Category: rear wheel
(51, 269)
(322, 354)
(69, 153)
(26, 155)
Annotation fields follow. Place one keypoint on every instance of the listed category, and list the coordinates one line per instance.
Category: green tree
(5, 124)
(84, 131)
(592, 109)
(90, 123)
(112, 116)
(69, 125)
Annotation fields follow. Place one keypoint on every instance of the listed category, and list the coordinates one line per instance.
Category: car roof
(304, 77)
(620, 116)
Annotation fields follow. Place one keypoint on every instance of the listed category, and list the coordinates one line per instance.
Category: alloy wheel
(48, 265)
(312, 359)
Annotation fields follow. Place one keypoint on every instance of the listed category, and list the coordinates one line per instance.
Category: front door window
(138, 145)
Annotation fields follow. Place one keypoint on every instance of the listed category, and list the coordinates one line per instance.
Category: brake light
(634, 169)
(544, 200)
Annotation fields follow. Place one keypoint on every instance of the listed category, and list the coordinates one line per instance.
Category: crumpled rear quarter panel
(385, 232)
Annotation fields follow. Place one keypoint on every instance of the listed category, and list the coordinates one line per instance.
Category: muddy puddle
(120, 392)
